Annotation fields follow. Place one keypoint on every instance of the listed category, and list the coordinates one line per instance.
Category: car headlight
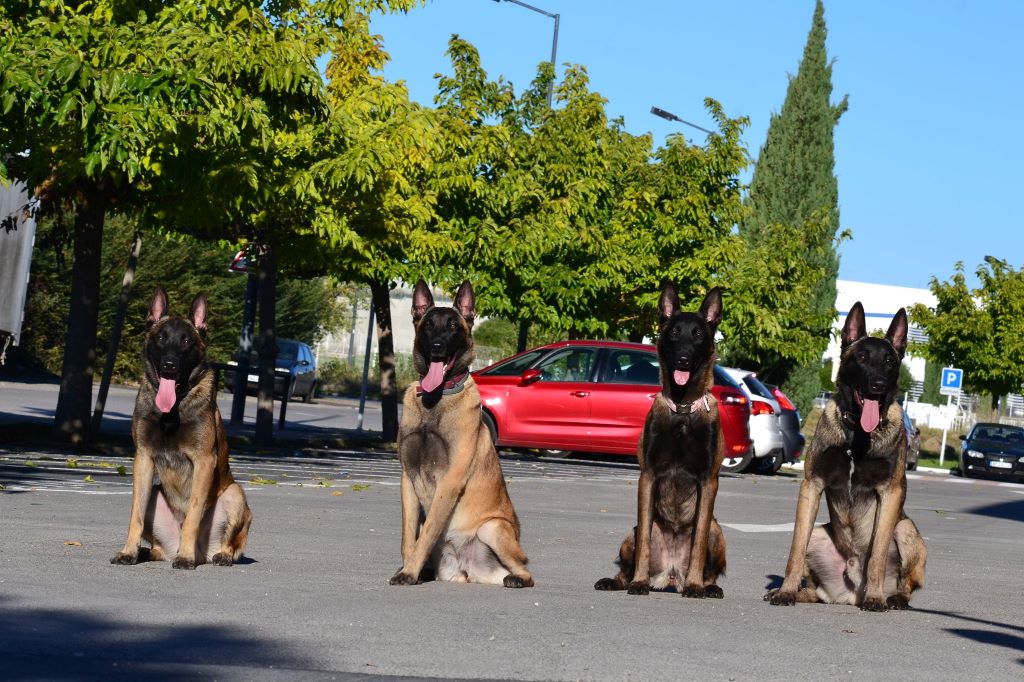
(975, 454)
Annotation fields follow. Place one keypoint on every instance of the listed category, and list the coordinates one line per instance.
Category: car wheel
(492, 428)
(735, 465)
(557, 454)
(912, 466)
(774, 463)
(308, 398)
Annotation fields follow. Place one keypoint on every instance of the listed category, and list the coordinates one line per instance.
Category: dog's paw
(874, 604)
(714, 592)
(517, 581)
(607, 585)
(222, 559)
(639, 587)
(898, 602)
(694, 592)
(124, 559)
(187, 564)
(403, 578)
(777, 597)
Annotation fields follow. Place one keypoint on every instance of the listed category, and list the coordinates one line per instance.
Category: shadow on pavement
(995, 638)
(1010, 511)
(69, 644)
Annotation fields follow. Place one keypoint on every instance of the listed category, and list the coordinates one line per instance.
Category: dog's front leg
(890, 501)
(640, 583)
(199, 500)
(410, 524)
(694, 584)
(449, 488)
(806, 510)
(142, 489)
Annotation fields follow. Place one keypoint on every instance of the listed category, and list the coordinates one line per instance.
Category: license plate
(254, 377)
(1000, 465)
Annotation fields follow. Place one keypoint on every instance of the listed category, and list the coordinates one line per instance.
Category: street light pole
(672, 117)
(554, 40)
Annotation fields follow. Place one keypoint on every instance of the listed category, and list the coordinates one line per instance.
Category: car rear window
(514, 366)
(757, 388)
(723, 378)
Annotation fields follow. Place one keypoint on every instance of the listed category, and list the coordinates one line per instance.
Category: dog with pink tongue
(870, 554)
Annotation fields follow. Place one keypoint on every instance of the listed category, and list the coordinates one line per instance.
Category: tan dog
(456, 513)
(197, 513)
(858, 458)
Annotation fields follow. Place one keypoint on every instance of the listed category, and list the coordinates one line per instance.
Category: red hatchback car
(591, 396)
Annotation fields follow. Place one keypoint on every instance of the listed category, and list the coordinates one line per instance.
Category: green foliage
(794, 189)
(930, 394)
(825, 376)
(979, 330)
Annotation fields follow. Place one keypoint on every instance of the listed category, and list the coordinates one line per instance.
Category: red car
(591, 396)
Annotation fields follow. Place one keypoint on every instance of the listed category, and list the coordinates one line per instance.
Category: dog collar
(452, 386)
(688, 408)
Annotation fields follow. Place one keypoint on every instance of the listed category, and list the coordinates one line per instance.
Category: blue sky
(928, 156)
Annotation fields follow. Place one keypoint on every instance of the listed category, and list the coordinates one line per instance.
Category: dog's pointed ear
(465, 302)
(422, 300)
(711, 308)
(197, 313)
(157, 307)
(897, 333)
(853, 328)
(668, 304)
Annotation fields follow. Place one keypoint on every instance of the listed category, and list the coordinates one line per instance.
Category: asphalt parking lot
(310, 600)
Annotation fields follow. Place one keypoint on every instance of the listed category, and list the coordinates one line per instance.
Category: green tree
(794, 188)
(111, 106)
(979, 330)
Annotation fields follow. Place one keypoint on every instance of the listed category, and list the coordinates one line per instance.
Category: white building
(881, 302)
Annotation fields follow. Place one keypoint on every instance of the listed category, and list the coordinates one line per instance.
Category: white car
(765, 412)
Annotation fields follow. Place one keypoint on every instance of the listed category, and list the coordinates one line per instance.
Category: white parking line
(760, 527)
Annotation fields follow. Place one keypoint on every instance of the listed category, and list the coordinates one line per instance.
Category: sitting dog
(197, 512)
(870, 554)
(456, 512)
(677, 543)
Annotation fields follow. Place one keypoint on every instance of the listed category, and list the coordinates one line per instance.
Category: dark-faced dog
(870, 553)
(197, 513)
(677, 543)
(456, 513)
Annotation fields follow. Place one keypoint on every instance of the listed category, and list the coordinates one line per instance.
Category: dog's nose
(878, 386)
(169, 366)
(683, 361)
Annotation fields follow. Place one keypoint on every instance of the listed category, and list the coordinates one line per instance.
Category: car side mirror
(304, 363)
(963, 437)
(529, 376)
(917, 432)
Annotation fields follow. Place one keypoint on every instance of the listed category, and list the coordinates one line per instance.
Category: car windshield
(515, 366)
(632, 367)
(999, 433)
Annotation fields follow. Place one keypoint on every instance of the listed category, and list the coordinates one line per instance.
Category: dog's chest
(425, 458)
(679, 459)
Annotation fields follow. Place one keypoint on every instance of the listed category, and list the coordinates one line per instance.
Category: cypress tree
(794, 184)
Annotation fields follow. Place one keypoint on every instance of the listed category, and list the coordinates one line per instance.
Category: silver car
(765, 412)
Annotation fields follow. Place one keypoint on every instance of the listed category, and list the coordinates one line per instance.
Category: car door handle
(579, 394)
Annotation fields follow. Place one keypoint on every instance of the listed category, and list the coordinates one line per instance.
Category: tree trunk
(524, 328)
(386, 359)
(267, 295)
(71, 421)
(115, 334)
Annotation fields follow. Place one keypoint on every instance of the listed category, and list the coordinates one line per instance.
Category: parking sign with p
(952, 381)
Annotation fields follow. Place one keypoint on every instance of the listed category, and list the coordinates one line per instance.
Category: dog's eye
(673, 332)
(186, 340)
(698, 334)
(862, 356)
(451, 325)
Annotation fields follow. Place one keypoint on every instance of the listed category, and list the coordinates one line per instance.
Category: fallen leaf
(88, 479)
(72, 462)
(105, 465)
(337, 493)
(603, 510)
(259, 480)
(121, 471)
(324, 484)
(29, 463)
(72, 543)
(360, 486)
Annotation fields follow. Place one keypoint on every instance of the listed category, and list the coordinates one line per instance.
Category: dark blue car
(993, 450)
